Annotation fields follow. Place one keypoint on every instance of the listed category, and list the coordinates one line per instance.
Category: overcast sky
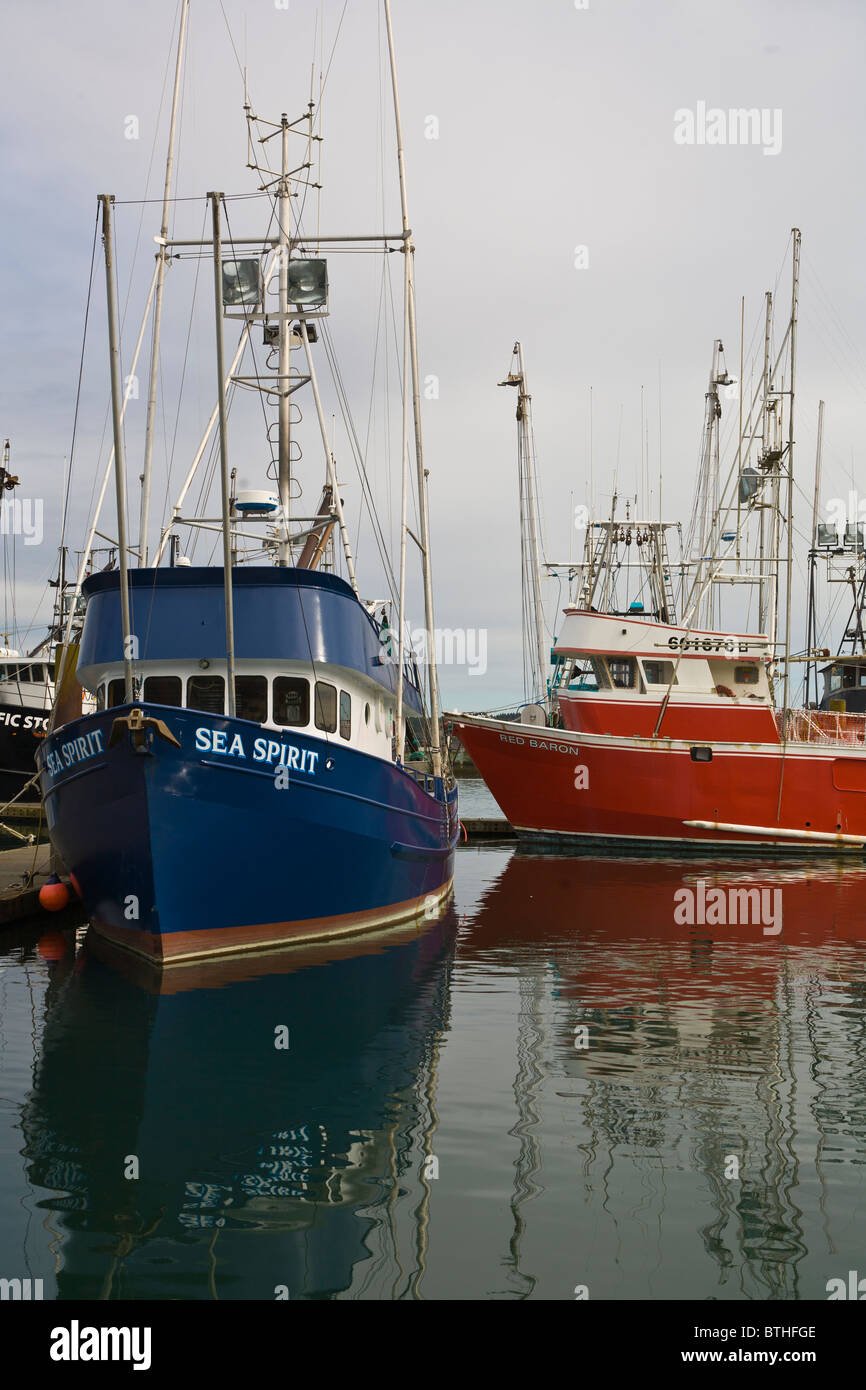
(555, 129)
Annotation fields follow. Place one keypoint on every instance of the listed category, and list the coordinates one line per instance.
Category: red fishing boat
(677, 740)
(653, 731)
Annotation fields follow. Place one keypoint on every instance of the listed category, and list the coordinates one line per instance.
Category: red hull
(555, 783)
(736, 721)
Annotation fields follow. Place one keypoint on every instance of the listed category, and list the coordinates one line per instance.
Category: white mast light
(308, 283)
(242, 282)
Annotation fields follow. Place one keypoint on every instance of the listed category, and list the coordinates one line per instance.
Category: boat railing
(821, 726)
(426, 780)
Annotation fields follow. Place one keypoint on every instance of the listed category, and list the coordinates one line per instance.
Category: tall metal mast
(404, 499)
(535, 646)
(706, 518)
(764, 587)
(161, 260)
(795, 286)
(216, 201)
(435, 749)
(106, 199)
(811, 617)
(284, 465)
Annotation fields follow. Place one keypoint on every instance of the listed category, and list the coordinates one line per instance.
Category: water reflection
(574, 1088)
(260, 1167)
(713, 1076)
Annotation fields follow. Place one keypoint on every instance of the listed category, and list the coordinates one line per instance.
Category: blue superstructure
(188, 832)
(280, 615)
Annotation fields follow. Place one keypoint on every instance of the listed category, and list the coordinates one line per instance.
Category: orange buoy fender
(53, 895)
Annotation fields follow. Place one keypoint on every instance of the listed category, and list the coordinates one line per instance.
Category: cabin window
(746, 675)
(206, 693)
(345, 714)
(659, 672)
(326, 707)
(251, 698)
(164, 690)
(366, 714)
(582, 675)
(622, 671)
(100, 697)
(291, 700)
(599, 670)
(37, 674)
(116, 692)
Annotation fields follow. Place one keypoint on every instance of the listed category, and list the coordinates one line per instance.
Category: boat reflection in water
(264, 1171)
(608, 1096)
(652, 1052)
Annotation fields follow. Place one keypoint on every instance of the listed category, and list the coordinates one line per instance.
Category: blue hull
(192, 850)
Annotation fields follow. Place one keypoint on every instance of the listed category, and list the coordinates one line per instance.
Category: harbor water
(559, 1089)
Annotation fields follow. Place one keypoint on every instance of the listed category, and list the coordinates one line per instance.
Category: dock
(487, 829)
(23, 871)
(18, 810)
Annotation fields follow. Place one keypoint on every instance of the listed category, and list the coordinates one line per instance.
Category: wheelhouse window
(251, 698)
(291, 700)
(746, 675)
(164, 690)
(582, 675)
(206, 693)
(659, 672)
(623, 670)
(599, 670)
(345, 714)
(326, 707)
(100, 697)
(116, 692)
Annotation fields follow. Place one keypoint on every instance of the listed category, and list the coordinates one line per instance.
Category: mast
(763, 596)
(404, 498)
(534, 644)
(795, 285)
(811, 623)
(284, 466)
(161, 261)
(225, 485)
(524, 415)
(709, 475)
(435, 750)
(106, 199)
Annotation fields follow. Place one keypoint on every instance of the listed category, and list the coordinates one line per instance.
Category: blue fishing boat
(246, 779)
